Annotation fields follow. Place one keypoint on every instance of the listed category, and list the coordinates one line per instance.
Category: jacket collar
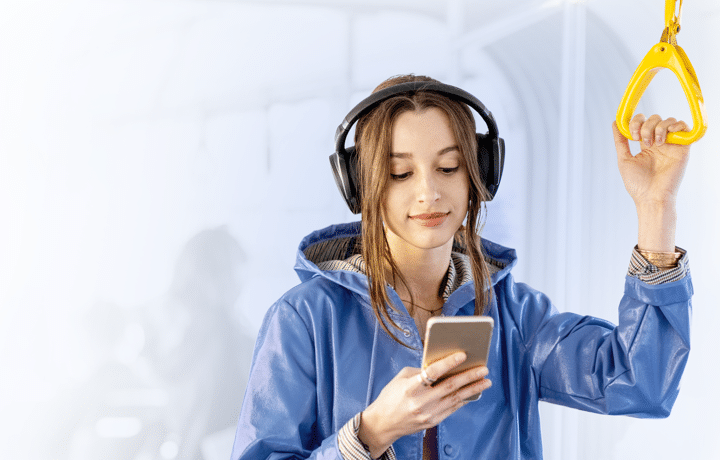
(333, 253)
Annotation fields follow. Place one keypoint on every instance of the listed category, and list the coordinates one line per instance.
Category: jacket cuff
(646, 272)
(351, 448)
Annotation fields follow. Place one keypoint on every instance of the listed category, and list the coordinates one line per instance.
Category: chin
(431, 241)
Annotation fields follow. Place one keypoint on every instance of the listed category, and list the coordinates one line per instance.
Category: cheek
(386, 210)
(393, 201)
(463, 191)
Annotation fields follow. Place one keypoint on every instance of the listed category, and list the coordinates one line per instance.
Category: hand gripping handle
(674, 58)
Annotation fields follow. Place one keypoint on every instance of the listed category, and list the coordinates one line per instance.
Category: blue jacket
(321, 357)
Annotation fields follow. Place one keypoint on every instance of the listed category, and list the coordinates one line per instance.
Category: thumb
(621, 143)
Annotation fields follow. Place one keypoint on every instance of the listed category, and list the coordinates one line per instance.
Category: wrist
(656, 225)
(370, 436)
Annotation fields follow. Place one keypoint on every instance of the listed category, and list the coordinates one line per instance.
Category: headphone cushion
(345, 165)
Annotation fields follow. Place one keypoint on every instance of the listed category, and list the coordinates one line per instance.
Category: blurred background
(160, 160)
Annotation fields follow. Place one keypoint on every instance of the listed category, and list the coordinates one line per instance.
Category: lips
(430, 219)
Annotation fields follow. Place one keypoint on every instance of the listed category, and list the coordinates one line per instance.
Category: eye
(399, 177)
(449, 171)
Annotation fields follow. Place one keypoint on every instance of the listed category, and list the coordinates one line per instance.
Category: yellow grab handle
(674, 58)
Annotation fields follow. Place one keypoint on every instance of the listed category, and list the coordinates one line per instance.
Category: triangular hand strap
(673, 58)
(669, 55)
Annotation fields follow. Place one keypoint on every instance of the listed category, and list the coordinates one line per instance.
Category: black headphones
(344, 162)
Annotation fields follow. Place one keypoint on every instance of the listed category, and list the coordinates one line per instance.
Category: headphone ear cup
(499, 160)
(345, 171)
(491, 158)
(483, 157)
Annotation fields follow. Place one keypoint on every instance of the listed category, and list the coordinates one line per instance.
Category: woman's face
(427, 196)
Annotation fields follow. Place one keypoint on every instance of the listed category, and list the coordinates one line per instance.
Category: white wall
(160, 161)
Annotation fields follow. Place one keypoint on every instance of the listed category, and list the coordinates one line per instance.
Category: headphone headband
(370, 102)
(344, 162)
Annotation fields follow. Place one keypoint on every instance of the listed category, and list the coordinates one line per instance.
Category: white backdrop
(160, 161)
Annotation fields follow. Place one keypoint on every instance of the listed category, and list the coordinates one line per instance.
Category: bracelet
(661, 260)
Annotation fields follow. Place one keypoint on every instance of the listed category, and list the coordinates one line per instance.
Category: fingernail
(648, 142)
(460, 357)
(479, 373)
(658, 139)
(636, 136)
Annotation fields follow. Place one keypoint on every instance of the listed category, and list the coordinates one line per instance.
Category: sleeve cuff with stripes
(351, 448)
(646, 272)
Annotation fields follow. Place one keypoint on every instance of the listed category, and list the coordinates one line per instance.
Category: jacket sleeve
(278, 419)
(633, 368)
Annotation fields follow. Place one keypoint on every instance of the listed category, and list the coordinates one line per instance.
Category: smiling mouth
(430, 220)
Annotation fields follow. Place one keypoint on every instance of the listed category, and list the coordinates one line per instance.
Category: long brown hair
(373, 140)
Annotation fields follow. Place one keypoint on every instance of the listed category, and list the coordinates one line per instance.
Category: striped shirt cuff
(646, 272)
(351, 448)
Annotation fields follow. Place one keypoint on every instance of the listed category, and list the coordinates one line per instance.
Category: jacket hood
(333, 253)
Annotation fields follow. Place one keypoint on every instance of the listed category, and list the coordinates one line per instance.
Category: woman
(335, 371)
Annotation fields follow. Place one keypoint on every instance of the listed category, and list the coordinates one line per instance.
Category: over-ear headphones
(344, 162)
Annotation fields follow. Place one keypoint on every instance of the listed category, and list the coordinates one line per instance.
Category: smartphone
(445, 335)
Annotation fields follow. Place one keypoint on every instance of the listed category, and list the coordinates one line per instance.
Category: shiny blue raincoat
(321, 357)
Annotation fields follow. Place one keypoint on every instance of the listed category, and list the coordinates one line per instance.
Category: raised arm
(653, 177)
(633, 368)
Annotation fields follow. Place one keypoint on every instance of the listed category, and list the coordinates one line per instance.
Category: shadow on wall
(168, 379)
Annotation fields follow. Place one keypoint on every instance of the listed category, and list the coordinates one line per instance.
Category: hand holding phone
(447, 335)
(413, 400)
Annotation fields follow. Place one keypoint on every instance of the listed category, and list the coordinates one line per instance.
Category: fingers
(457, 390)
(466, 384)
(424, 378)
(643, 129)
(428, 376)
(679, 126)
(635, 125)
(661, 130)
(443, 366)
(621, 143)
(461, 397)
(461, 386)
(438, 402)
(653, 131)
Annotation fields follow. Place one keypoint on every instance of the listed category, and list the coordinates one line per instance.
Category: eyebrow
(401, 155)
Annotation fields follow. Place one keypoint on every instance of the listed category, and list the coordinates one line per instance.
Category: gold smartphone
(445, 335)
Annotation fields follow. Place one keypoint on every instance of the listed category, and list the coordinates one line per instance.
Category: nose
(428, 191)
